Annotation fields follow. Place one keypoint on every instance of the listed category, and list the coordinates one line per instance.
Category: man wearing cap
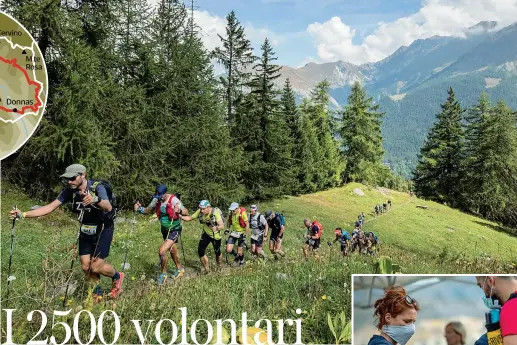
(259, 230)
(168, 209)
(90, 198)
(239, 228)
(211, 219)
(277, 233)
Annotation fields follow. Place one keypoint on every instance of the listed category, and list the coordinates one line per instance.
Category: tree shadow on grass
(498, 228)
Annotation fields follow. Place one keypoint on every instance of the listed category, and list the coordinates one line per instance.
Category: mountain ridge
(411, 83)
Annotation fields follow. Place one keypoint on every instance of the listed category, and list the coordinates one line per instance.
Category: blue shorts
(259, 241)
(172, 235)
(97, 245)
(240, 241)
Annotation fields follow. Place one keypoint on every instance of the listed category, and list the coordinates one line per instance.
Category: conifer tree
(265, 133)
(292, 115)
(438, 173)
(491, 162)
(362, 139)
(195, 154)
(236, 56)
(330, 164)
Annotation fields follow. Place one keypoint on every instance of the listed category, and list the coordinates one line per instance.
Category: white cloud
(211, 25)
(333, 38)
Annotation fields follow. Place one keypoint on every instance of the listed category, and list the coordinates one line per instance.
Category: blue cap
(160, 190)
(204, 203)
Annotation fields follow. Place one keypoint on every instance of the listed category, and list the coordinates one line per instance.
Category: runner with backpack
(168, 209)
(95, 200)
(373, 242)
(259, 230)
(239, 227)
(276, 223)
(344, 239)
(313, 236)
(211, 219)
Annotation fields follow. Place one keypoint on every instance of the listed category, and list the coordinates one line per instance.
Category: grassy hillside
(433, 240)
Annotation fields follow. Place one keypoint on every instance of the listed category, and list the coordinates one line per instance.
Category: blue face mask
(491, 302)
(401, 334)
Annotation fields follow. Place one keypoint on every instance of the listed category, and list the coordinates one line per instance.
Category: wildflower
(324, 297)
(133, 278)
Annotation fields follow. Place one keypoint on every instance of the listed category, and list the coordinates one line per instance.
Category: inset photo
(434, 309)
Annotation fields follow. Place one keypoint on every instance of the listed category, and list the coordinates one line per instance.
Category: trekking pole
(130, 236)
(182, 249)
(11, 254)
(74, 256)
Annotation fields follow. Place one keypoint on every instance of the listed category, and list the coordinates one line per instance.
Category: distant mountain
(411, 83)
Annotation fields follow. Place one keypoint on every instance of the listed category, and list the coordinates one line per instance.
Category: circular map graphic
(23, 85)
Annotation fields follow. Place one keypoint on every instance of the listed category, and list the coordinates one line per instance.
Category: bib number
(235, 234)
(89, 229)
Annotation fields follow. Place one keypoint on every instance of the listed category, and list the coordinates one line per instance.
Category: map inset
(23, 85)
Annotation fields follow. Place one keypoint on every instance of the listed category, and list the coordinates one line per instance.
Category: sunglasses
(409, 300)
(72, 178)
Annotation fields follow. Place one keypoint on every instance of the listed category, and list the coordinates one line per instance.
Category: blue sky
(358, 32)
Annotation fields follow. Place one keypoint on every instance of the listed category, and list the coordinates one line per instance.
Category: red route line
(38, 87)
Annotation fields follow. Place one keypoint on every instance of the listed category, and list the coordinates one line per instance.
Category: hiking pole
(130, 236)
(11, 254)
(74, 256)
(182, 249)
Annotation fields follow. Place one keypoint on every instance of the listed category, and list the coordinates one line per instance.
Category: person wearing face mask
(455, 333)
(501, 298)
(396, 313)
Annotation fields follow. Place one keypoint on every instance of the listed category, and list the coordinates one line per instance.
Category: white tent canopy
(410, 283)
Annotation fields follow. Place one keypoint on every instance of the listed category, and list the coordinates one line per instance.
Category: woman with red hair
(396, 313)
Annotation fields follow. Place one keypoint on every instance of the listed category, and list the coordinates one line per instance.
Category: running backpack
(242, 223)
(260, 226)
(168, 208)
(213, 221)
(320, 227)
(281, 217)
(111, 197)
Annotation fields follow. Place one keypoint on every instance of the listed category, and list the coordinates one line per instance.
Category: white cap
(254, 207)
(233, 206)
(175, 201)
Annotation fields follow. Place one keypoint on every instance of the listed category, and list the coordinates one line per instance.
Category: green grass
(436, 240)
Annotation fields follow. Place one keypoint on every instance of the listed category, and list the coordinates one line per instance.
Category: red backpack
(168, 208)
(242, 223)
(320, 227)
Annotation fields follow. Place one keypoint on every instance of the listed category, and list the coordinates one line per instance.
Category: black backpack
(111, 197)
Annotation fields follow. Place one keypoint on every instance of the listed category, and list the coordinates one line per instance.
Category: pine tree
(362, 139)
(292, 115)
(290, 110)
(195, 155)
(492, 166)
(264, 133)
(438, 173)
(476, 120)
(330, 163)
(309, 151)
(236, 56)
